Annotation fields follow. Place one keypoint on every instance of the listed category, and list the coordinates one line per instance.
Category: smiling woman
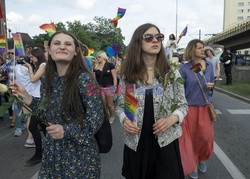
(73, 116)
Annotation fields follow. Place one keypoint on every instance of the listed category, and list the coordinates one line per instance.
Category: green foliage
(6, 106)
(96, 35)
(242, 89)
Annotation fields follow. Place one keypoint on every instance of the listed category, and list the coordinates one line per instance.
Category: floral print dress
(77, 154)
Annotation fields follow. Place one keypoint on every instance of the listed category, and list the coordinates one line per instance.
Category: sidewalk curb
(233, 95)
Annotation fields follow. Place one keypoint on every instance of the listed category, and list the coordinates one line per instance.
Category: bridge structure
(235, 37)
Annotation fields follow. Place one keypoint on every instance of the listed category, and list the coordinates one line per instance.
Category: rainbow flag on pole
(130, 103)
(3, 43)
(49, 28)
(18, 43)
(119, 15)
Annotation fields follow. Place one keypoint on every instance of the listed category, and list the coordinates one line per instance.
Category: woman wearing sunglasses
(151, 147)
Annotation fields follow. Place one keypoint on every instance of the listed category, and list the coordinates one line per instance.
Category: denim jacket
(171, 93)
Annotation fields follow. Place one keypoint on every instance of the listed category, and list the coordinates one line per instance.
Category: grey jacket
(173, 92)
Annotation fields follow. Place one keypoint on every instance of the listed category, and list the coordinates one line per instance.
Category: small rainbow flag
(119, 15)
(49, 28)
(130, 103)
(19, 48)
(3, 43)
(90, 51)
(196, 68)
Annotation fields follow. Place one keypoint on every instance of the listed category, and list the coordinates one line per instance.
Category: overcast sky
(205, 15)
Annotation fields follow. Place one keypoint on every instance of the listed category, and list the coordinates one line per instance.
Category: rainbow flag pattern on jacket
(49, 28)
(18, 44)
(119, 15)
(130, 103)
(3, 43)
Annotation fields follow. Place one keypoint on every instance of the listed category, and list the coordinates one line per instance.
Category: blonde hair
(103, 55)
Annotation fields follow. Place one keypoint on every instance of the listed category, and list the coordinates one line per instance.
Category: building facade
(235, 11)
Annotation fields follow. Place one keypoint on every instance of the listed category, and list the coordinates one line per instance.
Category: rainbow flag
(90, 51)
(196, 68)
(3, 43)
(119, 15)
(49, 28)
(130, 103)
(18, 43)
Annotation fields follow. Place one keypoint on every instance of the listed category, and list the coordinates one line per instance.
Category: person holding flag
(151, 147)
(196, 142)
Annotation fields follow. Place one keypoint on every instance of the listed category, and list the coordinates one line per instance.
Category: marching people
(171, 46)
(210, 56)
(37, 57)
(72, 116)
(151, 147)
(196, 142)
(105, 74)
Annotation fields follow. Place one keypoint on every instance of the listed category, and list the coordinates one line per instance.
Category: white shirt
(23, 78)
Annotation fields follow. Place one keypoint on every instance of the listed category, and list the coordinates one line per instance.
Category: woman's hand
(130, 127)
(26, 64)
(56, 131)
(18, 90)
(163, 124)
(209, 85)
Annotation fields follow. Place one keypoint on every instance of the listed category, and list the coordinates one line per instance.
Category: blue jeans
(17, 111)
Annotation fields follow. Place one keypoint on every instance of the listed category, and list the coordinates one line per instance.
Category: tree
(98, 35)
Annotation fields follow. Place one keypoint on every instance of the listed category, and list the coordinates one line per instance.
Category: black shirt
(105, 77)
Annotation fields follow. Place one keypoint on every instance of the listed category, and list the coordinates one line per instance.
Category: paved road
(231, 157)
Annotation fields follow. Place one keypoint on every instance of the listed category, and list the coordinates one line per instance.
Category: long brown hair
(133, 67)
(70, 101)
(39, 54)
(189, 53)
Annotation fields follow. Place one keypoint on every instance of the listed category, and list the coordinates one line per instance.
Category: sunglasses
(12, 53)
(150, 37)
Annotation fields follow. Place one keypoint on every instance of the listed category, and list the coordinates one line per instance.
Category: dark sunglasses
(150, 37)
(12, 53)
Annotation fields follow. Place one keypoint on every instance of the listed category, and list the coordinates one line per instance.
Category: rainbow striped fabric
(119, 15)
(196, 68)
(49, 28)
(130, 103)
(18, 43)
(3, 43)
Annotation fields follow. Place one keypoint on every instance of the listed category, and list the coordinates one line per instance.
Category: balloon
(116, 48)
(110, 51)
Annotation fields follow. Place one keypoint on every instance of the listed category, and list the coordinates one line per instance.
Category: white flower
(3, 88)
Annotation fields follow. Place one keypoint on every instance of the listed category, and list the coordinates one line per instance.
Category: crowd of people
(170, 133)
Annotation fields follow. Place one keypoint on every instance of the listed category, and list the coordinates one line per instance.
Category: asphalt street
(231, 157)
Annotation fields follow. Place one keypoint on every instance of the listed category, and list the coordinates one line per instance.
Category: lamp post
(176, 18)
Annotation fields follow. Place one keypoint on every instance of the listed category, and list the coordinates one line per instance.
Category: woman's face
(99, 58)
(151, 47)
(33, 58)
(199, 51)
(62, 48)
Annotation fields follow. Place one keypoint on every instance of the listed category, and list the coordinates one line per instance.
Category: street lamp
(176, 18)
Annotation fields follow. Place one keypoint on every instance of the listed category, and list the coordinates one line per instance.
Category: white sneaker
(18, 132)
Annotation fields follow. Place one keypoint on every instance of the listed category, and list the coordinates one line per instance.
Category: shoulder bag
(214, 116)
